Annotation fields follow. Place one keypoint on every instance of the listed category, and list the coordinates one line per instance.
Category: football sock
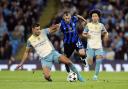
(97, 67)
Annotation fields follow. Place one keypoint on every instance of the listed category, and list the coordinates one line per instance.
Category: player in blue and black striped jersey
(71, 39)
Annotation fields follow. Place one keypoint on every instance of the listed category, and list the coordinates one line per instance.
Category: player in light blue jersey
(93, 32)
(40, 42)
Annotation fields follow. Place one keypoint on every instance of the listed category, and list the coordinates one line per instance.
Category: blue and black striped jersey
(69, 30)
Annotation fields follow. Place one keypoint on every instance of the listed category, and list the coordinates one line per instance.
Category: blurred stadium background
(16, 18)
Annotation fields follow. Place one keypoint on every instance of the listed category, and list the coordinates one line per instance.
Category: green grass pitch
(28, 80)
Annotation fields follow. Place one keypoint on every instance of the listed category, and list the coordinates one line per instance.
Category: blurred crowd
(114, 17)
(16, 18)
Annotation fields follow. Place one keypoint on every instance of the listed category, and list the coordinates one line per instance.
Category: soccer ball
(72, 77)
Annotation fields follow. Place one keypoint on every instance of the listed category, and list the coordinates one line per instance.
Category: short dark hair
(35, 25)
(66, 13)
(97, 11)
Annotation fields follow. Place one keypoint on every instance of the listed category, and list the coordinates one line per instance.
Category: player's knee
(90, 61)
(82, 52)
(68, 62)
(65, 60)
(99, 57)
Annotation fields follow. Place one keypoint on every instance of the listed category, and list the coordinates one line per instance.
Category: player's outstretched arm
(106, 35)
(82, 18)
(104, 32)
(54, 28)
(25, 56)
